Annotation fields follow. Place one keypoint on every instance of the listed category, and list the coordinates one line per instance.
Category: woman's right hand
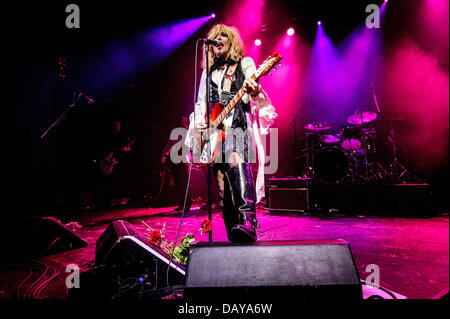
(200, 126)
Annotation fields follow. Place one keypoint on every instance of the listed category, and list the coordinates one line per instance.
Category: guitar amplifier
(288, 194)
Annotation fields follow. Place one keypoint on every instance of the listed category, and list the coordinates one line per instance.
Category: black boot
(229, 213)
(240, 186)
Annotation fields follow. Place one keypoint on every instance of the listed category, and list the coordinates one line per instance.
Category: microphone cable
(188, 181)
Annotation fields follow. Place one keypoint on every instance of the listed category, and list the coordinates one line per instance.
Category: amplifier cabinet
(288, 194)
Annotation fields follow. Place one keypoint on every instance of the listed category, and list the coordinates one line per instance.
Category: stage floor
(411, 253)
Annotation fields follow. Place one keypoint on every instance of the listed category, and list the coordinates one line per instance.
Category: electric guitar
(214, 136)
(107, 163)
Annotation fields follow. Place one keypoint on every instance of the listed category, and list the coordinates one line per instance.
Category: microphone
(215, 43)
(89, 100)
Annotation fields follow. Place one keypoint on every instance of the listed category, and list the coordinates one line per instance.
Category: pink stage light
(213, 15)
(319, 22)
(290, 31)
(257, 42)
(246, 16)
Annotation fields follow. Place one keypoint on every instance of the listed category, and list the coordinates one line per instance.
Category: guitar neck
(230, 106)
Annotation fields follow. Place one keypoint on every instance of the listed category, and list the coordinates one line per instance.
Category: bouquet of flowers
(181, 251)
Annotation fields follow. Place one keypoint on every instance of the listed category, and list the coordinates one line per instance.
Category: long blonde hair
(236, 51)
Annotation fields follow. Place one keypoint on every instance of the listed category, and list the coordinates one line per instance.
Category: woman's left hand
(251, 87)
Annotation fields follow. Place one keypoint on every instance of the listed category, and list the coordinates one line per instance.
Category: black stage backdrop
(49, 175)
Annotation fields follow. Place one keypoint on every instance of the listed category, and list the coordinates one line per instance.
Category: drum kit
(346, 157)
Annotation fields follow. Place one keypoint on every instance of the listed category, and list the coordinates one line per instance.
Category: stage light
(319, 22)
(213, 15)
(290, 31)
(257, 42)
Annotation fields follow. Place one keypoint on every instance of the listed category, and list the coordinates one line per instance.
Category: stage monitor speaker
(129, 252)
(291, 270)
(36, 236)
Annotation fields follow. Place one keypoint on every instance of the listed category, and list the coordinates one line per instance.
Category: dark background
(50, 175)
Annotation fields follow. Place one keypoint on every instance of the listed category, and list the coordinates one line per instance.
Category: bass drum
(331, 165)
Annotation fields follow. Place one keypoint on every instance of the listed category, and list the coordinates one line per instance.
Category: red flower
(207, 225)
(155, 236)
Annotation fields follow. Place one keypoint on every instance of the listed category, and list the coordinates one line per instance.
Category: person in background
(176, 174)
(114, 164)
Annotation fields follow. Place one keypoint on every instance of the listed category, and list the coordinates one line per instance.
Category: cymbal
(361, 118)
(317, 127)
(330, 139)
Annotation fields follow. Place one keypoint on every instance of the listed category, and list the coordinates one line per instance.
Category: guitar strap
(226, 86)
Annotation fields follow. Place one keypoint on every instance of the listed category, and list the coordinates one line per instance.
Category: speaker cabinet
(36, 236)
(288, 194)
(129, 253)
(291, 270)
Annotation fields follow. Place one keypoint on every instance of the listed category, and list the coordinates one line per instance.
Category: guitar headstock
(268, 64)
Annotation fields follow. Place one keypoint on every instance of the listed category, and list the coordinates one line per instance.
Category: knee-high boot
(229, 213)
(240, 186)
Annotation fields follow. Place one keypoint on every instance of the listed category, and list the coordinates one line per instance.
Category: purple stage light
(290, 32)
(125, 59)
(213, 15)
(319, 22)
(257, 42)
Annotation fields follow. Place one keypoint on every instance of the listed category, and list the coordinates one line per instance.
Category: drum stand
(373, 170)
(308, 153)
(376, 172)
(309, 172)
(396, 170)
(354, 168)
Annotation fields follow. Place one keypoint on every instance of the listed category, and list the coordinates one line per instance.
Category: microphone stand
(208, 111)
(378, 171)
(60, 118)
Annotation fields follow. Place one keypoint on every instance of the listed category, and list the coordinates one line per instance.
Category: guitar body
(107, 164)
(211, 145)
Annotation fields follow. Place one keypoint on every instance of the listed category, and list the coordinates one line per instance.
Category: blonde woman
(252, 117)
